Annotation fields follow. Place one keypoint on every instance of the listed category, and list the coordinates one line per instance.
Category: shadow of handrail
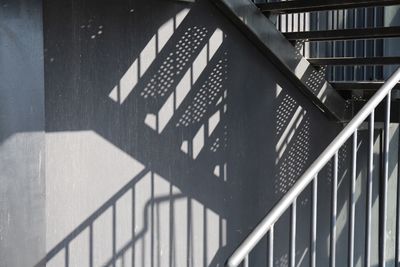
(130, 243)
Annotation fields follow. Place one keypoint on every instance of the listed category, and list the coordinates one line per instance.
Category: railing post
(334, 211)
(369, 189)
(293, 234)
(271, 247)
(266, 224)
(246, 261)
(352, 207)
(383, 219)
(314, 206)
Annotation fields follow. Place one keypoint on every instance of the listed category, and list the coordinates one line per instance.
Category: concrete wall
(168, 130)
(168, 137)
(22, 140)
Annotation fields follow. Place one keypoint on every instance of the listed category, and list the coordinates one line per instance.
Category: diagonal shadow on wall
(170, 97)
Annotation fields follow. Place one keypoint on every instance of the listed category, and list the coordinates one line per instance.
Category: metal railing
(241, 254)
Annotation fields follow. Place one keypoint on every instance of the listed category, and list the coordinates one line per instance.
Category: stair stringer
(260, 30)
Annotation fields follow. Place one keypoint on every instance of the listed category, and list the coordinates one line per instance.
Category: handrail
(241, 253)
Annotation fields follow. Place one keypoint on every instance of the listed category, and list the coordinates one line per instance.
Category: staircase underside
(346, 34)
(372, 101)
(318, 5)
(287, 59)
(351, 61)
(371, 86)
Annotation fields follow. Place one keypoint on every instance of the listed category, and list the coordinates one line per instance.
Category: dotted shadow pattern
(294, 161)
(220, 142)
(206, 96)
(174, 64)
(316, 80)
(284, 112)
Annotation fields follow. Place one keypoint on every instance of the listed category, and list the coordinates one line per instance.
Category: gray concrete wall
(168, 134)
(168, 137)
(22, 158)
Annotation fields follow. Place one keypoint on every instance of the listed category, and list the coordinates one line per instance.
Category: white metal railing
(241, 254)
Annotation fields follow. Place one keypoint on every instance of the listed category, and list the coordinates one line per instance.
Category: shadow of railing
(121, 120)
(88, 223)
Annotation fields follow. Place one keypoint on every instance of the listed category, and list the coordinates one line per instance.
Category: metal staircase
(261, 22)
(336, 25)
(299, 6)
(266, 226)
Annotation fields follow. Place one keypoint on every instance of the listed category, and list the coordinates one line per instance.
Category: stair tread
(359, 85)
(264, 34)
(345, 34)
(354, 61)
(317, 5)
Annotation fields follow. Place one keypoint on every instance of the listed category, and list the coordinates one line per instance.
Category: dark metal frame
(354, 61)
(347, 34)
(318, 5)
(383, 95)
(360, 85)
(283, 55)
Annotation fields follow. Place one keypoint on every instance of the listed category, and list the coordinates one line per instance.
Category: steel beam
(346, 34)
(361, 85)
(318, 5)
(354, 61)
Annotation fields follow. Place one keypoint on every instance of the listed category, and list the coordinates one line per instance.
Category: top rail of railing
(262, 228)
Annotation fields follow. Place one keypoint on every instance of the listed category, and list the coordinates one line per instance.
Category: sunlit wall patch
(175, 99)
(140, 65)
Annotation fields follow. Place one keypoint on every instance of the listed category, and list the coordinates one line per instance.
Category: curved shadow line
(129, 244)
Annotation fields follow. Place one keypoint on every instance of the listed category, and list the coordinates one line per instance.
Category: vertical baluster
(246, 261)
(344, 26)
(293, 235)
(354, 44)
(384, 182)
(317, 44)
(314, 222)
(374, 17)
(334, 212)
(294, 21)
(398, 223)
(352, 199)
(306, 44)
(271, 247)
(369, 189)
(365, 42)
(287, 22)
(278, 22)
(335, 14)
(333, 44)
